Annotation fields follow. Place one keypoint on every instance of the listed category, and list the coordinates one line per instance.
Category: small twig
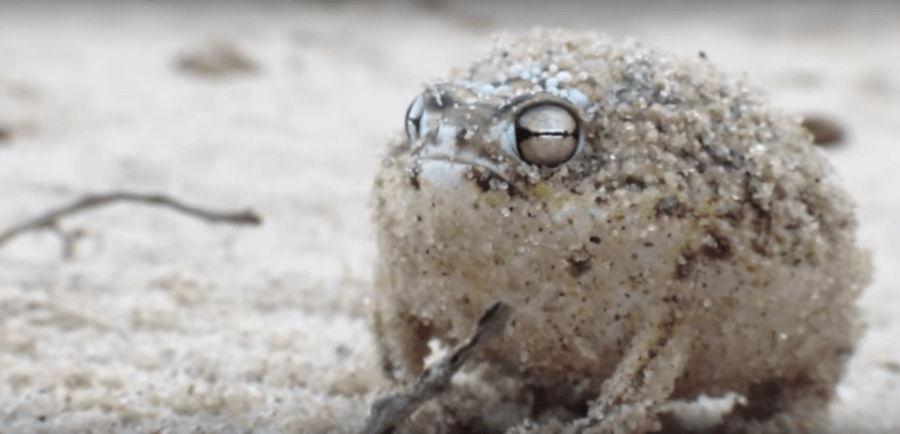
(390, 411)
(69, 240)
(50, 219)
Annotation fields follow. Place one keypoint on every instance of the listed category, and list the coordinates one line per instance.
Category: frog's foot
(780, 407)
(403, 344)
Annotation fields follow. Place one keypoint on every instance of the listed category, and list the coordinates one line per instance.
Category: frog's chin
(448, 173)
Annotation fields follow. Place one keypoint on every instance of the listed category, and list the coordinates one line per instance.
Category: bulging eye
(414, 115)
(546, 135)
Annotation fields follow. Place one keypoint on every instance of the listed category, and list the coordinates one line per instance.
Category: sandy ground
(162, 323)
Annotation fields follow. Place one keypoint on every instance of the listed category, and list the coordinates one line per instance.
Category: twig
(50, 219)
(390, 411)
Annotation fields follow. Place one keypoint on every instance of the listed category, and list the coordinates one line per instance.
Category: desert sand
(156, 322)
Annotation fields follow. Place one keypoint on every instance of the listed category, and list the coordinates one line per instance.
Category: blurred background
(156, 321)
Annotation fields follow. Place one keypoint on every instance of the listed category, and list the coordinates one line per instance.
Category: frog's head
(509, 131)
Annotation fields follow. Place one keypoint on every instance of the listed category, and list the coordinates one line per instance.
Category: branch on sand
(50, 220)
(389, 412)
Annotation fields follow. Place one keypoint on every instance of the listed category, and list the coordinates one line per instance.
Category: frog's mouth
(450, 171)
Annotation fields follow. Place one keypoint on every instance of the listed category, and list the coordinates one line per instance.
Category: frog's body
(673, 237)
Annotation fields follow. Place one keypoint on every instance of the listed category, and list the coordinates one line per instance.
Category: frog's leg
(403, 343)
(631, 398)
(643, 380)
(796, 405)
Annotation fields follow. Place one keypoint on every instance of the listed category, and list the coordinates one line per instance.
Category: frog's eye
(546, 135)
(414, 116)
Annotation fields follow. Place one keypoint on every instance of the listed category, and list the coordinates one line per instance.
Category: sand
(163, 323)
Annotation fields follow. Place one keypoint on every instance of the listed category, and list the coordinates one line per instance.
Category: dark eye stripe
(528, 133)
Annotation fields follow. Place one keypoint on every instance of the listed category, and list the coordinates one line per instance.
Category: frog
(660, 231)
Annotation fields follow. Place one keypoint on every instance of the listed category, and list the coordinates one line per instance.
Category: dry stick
(390, 412)
(49, 220)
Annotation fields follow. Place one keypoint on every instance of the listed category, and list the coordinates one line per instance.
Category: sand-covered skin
(658, 229)
(269, 324)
